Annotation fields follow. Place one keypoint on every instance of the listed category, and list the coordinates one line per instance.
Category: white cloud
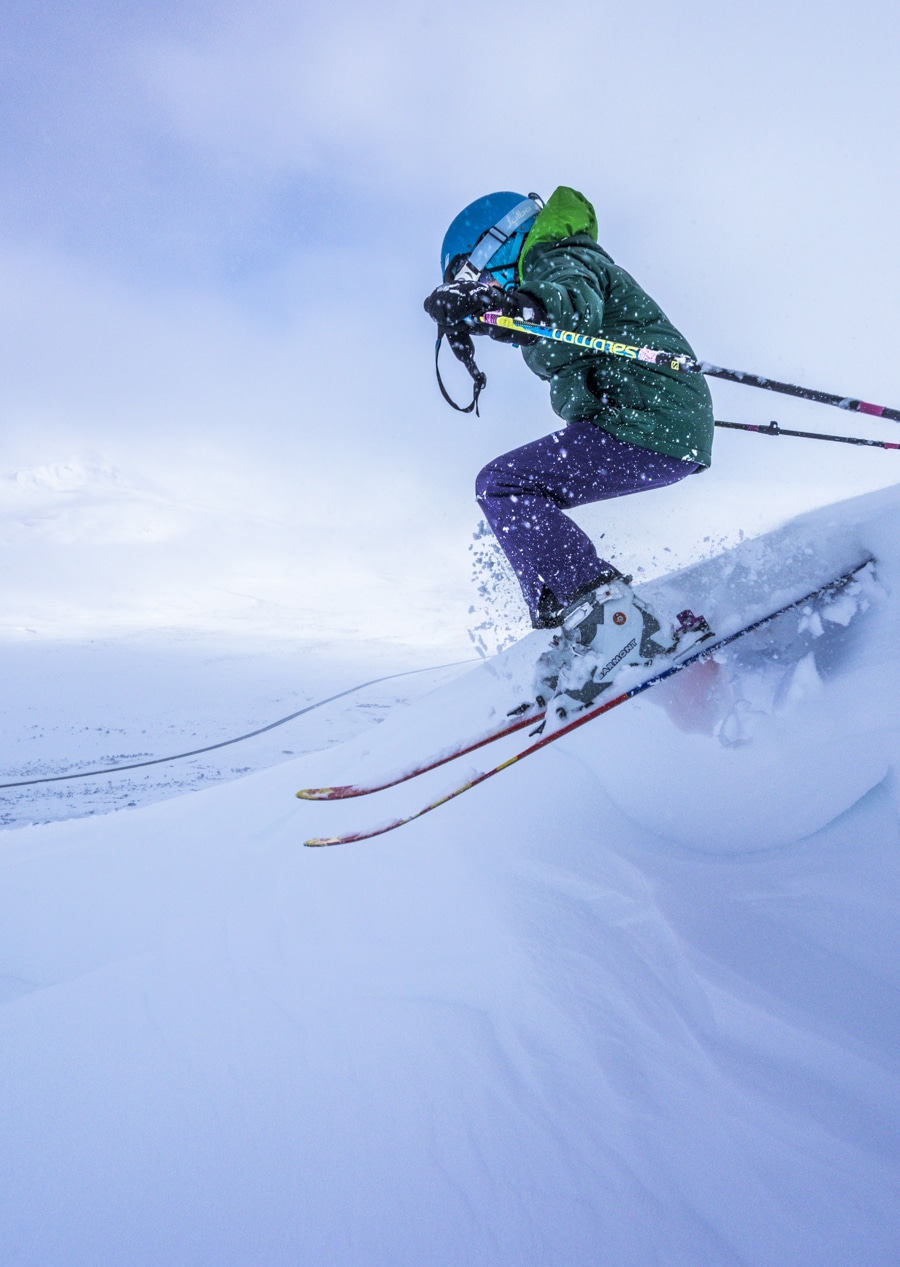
(228, 306)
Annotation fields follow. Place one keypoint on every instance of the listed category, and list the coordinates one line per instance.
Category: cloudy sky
(218, 222)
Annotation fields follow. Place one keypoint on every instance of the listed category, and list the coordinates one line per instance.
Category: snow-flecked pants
(523, 495)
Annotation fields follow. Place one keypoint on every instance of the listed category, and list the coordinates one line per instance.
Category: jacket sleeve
(569, 289)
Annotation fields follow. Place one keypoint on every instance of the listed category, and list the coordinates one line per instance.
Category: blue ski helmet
(487, 236)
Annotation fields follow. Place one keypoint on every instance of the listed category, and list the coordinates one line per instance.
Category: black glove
(449, 305)
(521, 306)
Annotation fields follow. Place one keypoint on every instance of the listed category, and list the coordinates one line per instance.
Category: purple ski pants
(523, 495)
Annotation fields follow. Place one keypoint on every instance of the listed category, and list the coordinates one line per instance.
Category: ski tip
(318, 842)
(317, 793)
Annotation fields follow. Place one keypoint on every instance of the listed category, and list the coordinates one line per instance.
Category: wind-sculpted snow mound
(634, 1001)
(764, 695)
(782, 732)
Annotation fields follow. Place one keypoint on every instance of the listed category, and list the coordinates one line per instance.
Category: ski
(831, 587)
(347, 790)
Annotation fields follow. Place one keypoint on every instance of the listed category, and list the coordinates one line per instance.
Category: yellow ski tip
(315, 793)
(316, 842)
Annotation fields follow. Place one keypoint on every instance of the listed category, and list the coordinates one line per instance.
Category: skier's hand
(452, 303)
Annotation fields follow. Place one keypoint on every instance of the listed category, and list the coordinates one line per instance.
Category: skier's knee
(486, 483)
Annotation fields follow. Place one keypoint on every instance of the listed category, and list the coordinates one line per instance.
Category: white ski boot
(602, 633)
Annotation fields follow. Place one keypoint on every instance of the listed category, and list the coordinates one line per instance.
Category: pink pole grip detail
(865, 408)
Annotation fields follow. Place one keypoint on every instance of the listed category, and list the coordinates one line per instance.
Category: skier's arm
(569, 292)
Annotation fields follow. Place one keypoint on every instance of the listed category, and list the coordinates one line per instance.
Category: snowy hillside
(635, 1001)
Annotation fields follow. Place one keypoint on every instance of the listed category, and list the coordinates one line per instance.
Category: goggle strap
(490, 242)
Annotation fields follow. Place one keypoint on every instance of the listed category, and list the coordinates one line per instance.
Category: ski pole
(684, 364)
(773, 429)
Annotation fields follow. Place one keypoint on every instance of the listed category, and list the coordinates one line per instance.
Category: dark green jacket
(583, 290)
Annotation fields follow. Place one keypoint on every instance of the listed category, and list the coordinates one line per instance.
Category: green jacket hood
(566, 213)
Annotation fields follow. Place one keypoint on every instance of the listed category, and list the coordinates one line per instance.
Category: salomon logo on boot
(603, 632)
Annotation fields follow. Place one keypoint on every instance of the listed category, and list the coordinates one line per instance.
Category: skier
(629, 427)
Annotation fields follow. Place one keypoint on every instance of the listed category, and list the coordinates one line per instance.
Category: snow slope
(635, 1001)
(121, 701)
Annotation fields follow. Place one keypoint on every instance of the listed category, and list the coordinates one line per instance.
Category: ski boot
(603, 632)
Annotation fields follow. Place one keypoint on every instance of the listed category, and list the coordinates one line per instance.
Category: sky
(218, 223)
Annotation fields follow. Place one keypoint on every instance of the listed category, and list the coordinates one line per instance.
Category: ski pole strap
(773, 429)
(463, 349)
(685, 365)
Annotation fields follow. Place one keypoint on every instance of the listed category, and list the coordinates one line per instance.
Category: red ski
(508, 726)
(707, 649)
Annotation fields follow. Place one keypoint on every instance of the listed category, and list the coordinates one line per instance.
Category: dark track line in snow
(225, 743)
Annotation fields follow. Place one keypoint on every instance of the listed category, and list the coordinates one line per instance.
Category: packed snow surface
(634, 1001)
